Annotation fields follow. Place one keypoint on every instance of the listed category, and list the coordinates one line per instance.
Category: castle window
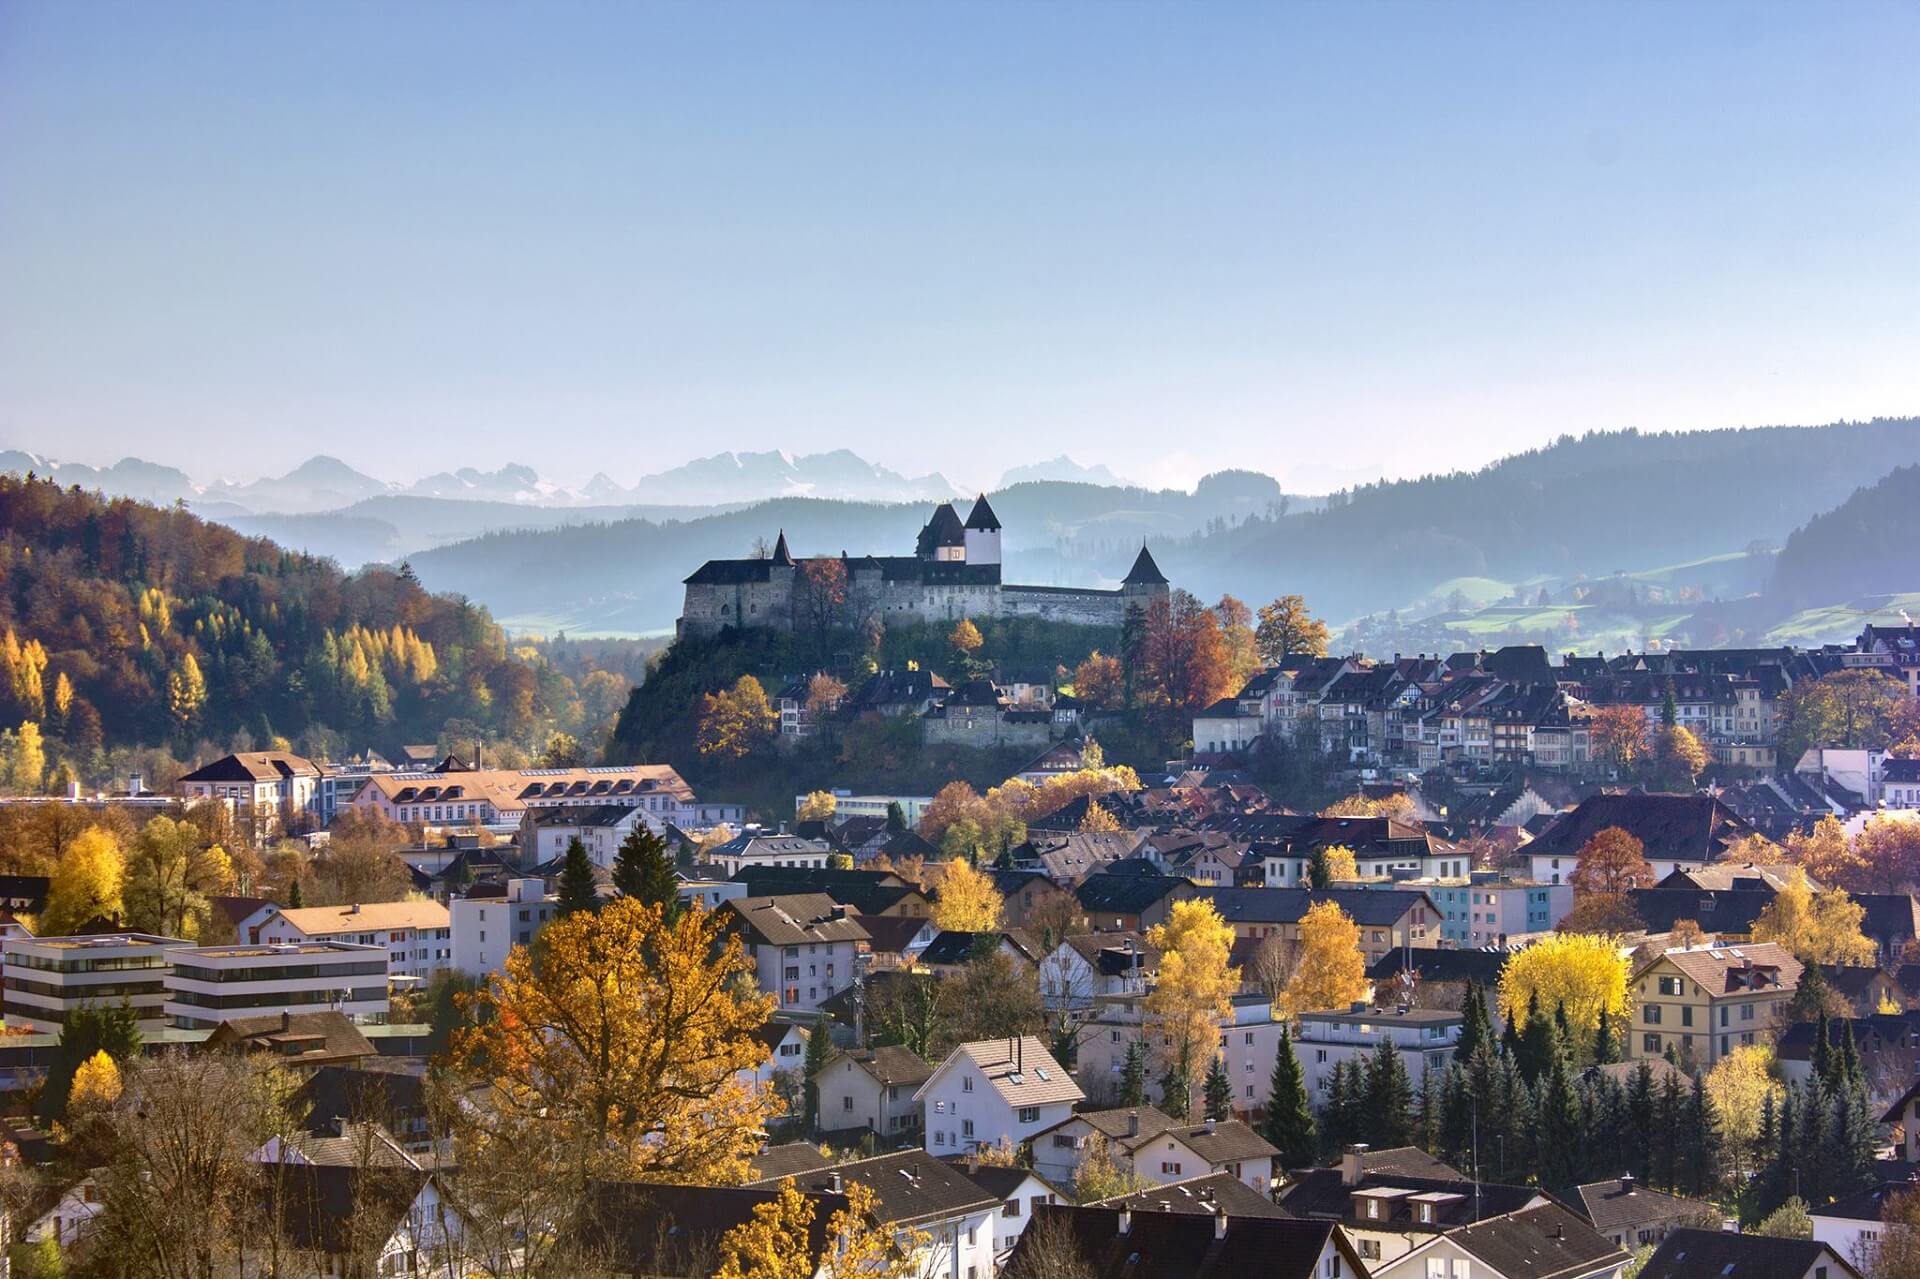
(725, 609)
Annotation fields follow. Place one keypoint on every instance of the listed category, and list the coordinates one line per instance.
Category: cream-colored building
(1705, 1001)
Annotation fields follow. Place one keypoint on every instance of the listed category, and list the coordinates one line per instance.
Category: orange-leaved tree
(1610, 863)
(624, 1038)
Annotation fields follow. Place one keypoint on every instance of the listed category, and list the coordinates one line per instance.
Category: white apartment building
(600, 828)
(486, 928)
(995, 1090)
(417, 935)
(47, 978)
(503, 796)
(1247, 1046)
(208, 985)
(754, 851)
(1424, 1038)
(1484, 909)
(806, 947)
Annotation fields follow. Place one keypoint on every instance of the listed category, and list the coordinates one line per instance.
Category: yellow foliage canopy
(1584, 972)
(86, 883)
(1196, 986)
(1328, 971)
(1819, 928)
(778, 1242)
(95, 1083)
(625, 1037)
(968, 901)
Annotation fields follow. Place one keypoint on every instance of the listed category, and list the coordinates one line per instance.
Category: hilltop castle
(953, 573)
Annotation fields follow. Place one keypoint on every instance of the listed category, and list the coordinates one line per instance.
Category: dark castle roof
(982, 516)
(781, 555)
(944, 529)
(1144, 571)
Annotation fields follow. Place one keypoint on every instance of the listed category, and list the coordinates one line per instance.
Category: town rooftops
(950, 948)
(1623, 1201)
(1480, 967)
(254, 766)
(909, 1187)
(796, 919)
(365, 917)
(1019, 1068)
(791, 1159)
(892, 1065)
(1223, 1141)
(649, 1229)
(328, 1208)
(1128, 894)
(1182, 1245)
(943, 530)
(1543, 1242)
(301, 1038)
(1712, 1254)
(1367, 907)
(1695, 828)
(1734, 970)
(1203, 1196)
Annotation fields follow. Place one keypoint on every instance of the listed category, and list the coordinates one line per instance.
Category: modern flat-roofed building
(47, 978)
(209, 985)
(418, 935)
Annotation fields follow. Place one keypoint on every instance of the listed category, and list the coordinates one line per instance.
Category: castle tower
(983, 534)
(943, 538)
(1144, 582)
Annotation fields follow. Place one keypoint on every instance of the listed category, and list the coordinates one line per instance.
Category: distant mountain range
(328, 484)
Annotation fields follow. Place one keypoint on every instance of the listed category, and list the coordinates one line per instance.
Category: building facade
(209, 985)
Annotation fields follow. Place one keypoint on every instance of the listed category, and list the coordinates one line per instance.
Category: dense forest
(1594, 505)
(125, 625)
(1860, 547)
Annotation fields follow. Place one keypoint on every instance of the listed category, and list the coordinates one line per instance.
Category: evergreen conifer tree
(1823, 1047)
(295, 898)
(577, 891)
(1510, 1040)
(1539, 1042)
(1133, 1075)
(896, 818)
(1563, 1031)
(1318, 874)
(1606, 1048)
(1475, 1029)
(1426, 1115)
(818, 1043)
(1218, 1090)
(1558, 1135)
(643, 870)
(1852, 1138)
(1388, 1109)
(1176, 1092)
(1640, 1108)
(1699, 1143)
(1455, 1140)
(1668, 1114)
(1288, 1124)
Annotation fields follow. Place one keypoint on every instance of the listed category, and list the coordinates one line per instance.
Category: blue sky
(1326, 240)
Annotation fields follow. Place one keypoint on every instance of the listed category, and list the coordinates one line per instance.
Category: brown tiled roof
(1729, 970)
(796, 919)
(1021, 1070)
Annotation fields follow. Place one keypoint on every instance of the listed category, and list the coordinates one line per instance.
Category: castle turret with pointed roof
(953, 573)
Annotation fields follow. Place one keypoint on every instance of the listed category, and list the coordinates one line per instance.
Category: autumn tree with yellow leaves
(1329, 970)
(779, 1243)
(818, 806)
(967, 902)
(1585, 973)
(1818, 928)
(170, 874)
(736, 721)
(1738, 1086)
(1193, 996)
(624, 1038)
(95, 1084)
(86, 884)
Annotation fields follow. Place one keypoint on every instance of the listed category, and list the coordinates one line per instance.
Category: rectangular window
(1029, 1114)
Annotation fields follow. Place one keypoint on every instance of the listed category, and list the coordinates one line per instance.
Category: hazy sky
(1324, 240)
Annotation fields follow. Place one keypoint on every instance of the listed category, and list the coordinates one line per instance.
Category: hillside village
(1591, 967)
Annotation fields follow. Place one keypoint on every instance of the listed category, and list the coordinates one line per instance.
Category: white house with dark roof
(995, 1090)
(1718, 1254)
(876, 1089)
(806, 947)
(1544, 1241)
(1156, 1148)
(914, 1191)
(757, 851)
(1632, 1216)
(267, 792)
(1424, 1038)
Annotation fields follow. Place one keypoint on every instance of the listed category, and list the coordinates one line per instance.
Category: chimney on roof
(1133, 1123)
(1350, 1160)
(1626, 1183)
(835, 1183)
(286, 1020)
(1125, 1223)
(1207, 1126)
(1219, 1223)
(354, 909)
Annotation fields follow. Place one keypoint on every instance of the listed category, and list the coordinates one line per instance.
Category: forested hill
(1864, 546)
(625, 576)
(1610, 501)
(130, 624)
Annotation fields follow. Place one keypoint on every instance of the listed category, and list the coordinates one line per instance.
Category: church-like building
(953, 573)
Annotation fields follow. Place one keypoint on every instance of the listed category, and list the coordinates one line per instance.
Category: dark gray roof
(1144, 571)
(1205, 1195)
(796, 919)
(1547, 1242)
(1367, 907)
(1714, 1254)
(1183, 1245)
(1323, 1193)
(1610, 1204)
(944, 529)
(909, 1186)
(648, 1229)
(982, 516)
(1128, 894)
(789, 1160)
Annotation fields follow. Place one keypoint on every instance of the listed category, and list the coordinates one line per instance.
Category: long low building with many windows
(48, 978)
(210, 985)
